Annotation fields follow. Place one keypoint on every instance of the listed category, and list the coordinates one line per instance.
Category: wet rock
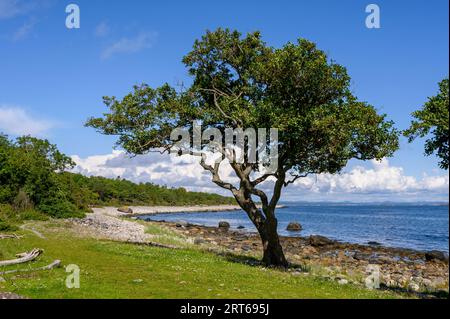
(436, 255)
(316, 240)
(224, 224)
(126, 210)
(182, 223)
(373, 243)
(240, 227)
(294, 226)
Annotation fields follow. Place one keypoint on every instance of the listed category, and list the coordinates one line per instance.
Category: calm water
(421, 227)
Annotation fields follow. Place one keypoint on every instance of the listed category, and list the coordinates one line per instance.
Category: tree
(433, 118)
(29, 164)
(238, 83)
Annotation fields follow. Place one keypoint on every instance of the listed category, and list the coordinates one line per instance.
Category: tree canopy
(241, 82)
(433, 119)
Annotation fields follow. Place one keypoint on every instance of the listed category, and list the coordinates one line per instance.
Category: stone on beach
(294, 226)
(224, 224)
(316, 240)
(126, 210)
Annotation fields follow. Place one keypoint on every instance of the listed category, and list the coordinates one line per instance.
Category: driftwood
(22, 258)
(55, 264)
(150, 243)
(5, 236)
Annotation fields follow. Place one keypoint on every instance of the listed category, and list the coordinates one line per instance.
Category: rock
(126, 210)
(294, 226)
(182, 223)
(316, 240)
(342, 281)
(2, 279)
(373, 243)
(199, 241)
(414, 287)
(308, 250)
(240, 227)
(224, 224)
(436, 255)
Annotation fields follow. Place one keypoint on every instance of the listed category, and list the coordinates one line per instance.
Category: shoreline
(399, 268)
(153, 210)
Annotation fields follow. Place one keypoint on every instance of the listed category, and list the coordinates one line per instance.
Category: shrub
(22, 201)
(4, 226)
(60, 209)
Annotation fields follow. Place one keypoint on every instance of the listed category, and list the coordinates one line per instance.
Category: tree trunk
(273, 254)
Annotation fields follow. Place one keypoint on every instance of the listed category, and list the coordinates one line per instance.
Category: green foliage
(85, 191)
(433, 119)
(33, 181)
(6, 227)
(242, 82)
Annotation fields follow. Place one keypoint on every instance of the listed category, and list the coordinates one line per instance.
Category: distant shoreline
(153, 210)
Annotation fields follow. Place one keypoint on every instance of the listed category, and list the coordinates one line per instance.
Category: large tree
(433, 119)
(240, 82)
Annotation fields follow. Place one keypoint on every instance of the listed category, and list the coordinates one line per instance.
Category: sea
(419, 226)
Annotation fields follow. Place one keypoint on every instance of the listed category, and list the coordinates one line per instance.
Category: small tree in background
(433, 119)
(240, 82)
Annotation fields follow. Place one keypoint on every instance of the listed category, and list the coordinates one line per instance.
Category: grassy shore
(120, 270)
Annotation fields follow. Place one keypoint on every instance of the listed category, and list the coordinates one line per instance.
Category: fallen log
(5, 236)
(23, 258)
(55, 264)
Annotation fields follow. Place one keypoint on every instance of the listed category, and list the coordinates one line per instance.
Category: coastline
(399, 268)
(152, 210)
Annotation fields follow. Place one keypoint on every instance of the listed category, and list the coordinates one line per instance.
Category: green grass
(120, 270)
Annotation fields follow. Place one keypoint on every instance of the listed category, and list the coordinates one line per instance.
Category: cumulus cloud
(135, 44)
(16, 121)
(379, 182)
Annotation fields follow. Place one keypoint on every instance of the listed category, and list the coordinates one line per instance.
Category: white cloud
(380, 182)
(135, 44)
(102, 29)
(16, 121)
(9, 8)
(23, 31)
(13, 8)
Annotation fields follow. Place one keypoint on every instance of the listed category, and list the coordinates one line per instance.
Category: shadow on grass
(441, 294)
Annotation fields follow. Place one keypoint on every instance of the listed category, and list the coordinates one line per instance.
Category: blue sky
(53, 78)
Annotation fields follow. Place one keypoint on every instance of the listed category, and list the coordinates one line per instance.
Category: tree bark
(273, 254)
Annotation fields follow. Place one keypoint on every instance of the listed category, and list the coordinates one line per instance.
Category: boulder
(316, 240)
(436, 255)
(240, 227)
(309, 251)
(182, 223)
(126, 210)
(224, 224)
(294, 226)
(373, 243)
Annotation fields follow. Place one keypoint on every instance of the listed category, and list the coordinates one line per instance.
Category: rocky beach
(407, 270)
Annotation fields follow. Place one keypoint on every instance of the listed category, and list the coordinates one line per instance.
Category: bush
(22, 201)
(4, 226)
(60, 209)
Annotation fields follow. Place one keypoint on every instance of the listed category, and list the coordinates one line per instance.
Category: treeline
(34, 177)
